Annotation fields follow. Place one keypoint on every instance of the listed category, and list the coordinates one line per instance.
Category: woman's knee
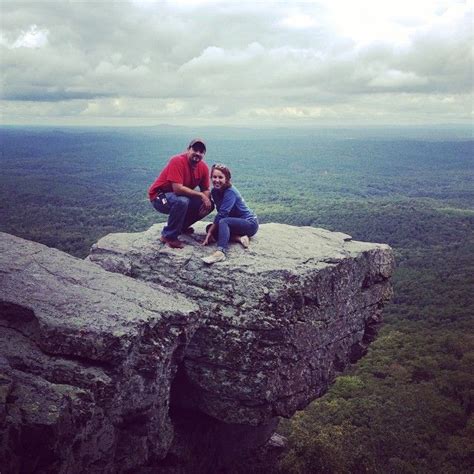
(224, 222)
(253, 229)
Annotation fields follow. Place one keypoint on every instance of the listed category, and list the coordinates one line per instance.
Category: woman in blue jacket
(234, 220)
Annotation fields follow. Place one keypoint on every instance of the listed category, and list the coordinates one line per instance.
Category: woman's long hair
(225, 171)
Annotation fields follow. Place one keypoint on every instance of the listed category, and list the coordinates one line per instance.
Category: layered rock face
(177, 362)
(282, 318)
(86, 363)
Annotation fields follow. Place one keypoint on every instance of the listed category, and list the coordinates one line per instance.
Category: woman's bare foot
(243, 240)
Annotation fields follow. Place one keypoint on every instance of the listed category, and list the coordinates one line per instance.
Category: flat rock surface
(282, 316)
(277, 247)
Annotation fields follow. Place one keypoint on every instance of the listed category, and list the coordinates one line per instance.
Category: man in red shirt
(174, 192)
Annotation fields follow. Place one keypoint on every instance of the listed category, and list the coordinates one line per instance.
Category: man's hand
(205, 206)
(206, 201)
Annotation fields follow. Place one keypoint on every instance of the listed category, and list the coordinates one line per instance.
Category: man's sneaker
(217, 256)
(173, 243)
(188, 231)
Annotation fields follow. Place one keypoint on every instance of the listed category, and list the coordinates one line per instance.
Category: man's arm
(182, 190)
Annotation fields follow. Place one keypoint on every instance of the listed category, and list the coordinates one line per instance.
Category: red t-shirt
(179, 170)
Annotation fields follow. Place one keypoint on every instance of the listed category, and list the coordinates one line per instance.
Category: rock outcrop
(175, 361)
(87, 359)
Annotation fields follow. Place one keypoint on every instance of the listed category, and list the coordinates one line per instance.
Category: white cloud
(299, 21)
(237, 62)
(366, 21)
(393, 79)
(31, 38)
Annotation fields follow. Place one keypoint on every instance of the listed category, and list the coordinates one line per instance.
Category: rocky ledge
(176, 362)
(86, 363)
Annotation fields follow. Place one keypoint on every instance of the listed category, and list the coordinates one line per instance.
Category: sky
(236, 63)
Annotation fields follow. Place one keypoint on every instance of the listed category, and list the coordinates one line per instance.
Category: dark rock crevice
(225, 444)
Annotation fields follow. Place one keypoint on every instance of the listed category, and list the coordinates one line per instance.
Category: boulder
(282, 318)
(86, 363)
(144, 359)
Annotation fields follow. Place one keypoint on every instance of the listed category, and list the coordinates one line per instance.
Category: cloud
(393, 79)
(32, 38)
(238, 62)
(299, 21)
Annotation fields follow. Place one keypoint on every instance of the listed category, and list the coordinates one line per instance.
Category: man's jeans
(234, 226)
(182, 212)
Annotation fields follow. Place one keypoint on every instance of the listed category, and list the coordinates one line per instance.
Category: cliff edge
(157, 360)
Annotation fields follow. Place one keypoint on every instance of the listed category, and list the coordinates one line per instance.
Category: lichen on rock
(282, 317)
(87, 360)
(157, 358)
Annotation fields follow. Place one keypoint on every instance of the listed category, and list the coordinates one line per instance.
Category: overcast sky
(237, 63)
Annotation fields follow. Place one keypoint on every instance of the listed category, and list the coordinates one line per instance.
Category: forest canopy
(408, 405)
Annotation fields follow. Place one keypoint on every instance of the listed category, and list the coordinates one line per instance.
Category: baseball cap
(195, 141)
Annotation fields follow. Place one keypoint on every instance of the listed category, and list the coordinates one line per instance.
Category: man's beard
(195, 160)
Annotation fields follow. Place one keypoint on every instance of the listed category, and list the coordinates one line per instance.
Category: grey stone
(87, 360)
(282, 316)
(165, 364)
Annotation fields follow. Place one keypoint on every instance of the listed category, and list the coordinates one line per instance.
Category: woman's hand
(210, 235)
(209, 239)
